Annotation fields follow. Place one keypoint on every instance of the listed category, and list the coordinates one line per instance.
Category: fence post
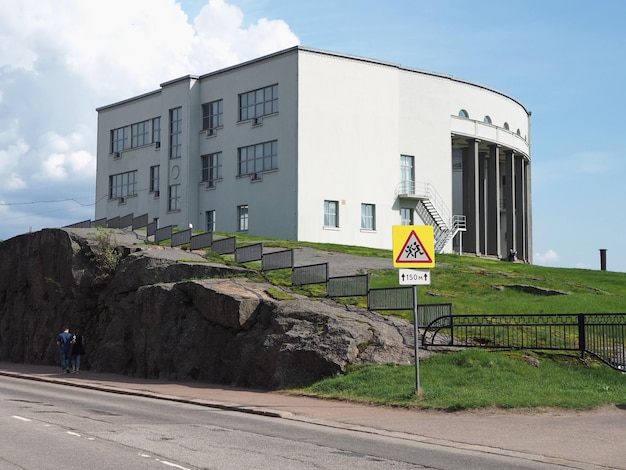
(582, 342)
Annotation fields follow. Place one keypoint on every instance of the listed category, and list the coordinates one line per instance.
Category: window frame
(257, 158)
(173, 198)
(176, 131)
(213, 119)
(122, 185)
(258, 103)
(331, 213)
(368, 217)
(243, 217)
(211, 168)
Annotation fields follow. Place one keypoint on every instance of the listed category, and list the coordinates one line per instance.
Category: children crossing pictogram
(413, 246)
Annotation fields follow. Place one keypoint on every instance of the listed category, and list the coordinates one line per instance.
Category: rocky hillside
(169, 314)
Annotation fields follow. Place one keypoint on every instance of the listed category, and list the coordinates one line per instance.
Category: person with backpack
(78, 350)
(65, 340)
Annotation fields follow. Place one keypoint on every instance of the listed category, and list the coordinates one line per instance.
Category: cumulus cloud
(548, 258)
(61, 60)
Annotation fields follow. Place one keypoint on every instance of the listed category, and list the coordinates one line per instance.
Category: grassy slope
(481, 378)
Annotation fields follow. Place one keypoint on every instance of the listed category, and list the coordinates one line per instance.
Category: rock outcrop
(163, 313)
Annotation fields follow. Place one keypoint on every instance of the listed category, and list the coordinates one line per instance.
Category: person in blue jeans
(65, 340)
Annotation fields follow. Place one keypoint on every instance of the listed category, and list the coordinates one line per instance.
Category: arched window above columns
(463, 114)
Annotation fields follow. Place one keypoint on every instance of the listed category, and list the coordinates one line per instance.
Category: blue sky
(564, 60)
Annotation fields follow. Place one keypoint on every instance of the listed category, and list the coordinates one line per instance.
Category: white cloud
(61, 60)
(550, 257)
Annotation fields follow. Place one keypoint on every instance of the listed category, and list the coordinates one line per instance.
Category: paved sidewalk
(584, 440)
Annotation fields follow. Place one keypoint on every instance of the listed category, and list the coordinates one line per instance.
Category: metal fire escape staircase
(432, 209)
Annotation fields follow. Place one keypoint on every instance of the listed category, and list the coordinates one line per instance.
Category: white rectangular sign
(413, 277)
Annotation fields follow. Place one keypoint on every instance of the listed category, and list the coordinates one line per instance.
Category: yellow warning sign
(413, 246)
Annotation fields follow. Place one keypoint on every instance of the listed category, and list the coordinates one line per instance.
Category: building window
(368, 217)
(211, 168)
(173, 198)
(156, 130)
(242, 213)
(406, 216)
(123, 185)
(463, 114)
(210, 221)
(140, 134)
(212, 116)
(258, 103)
(119, 139)
(487, 120)
(258, 158)
(154, 179)
(176, 132)
(407, 174)
(331, 214)
(506, 126)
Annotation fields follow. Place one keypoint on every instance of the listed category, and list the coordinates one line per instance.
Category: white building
(315, 146)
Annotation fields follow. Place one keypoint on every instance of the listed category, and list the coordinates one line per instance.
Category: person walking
(78, 350)
(65, 340)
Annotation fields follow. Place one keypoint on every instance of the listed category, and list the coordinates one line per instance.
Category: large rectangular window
(119, 139)
(331, 214)
(123, 185)
(258, 103)
(154, 179)
(368, 217)
(140, 133)
(258, 158)
(212, 116)
(136, 135)
(210, 221)
(211, 168)
(407, 174)
(173, 198)
(242, 214)
(176, 132)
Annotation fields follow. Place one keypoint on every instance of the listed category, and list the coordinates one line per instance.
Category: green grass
(476, 378)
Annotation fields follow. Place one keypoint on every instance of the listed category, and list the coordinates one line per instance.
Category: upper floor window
(123, 185)
(211, 168)
(140, 133)
(331, 213)
(506, 126)
(407, 174)
(119, 139)
(258, 158)
(368, 216)
(156, 130)
(212, 116)
(176, 132)
(463, 114)
(487, 120)
(154, 179)
(136, 135)
(258, 103)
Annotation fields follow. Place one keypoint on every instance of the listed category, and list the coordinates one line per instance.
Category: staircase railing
(433, 210)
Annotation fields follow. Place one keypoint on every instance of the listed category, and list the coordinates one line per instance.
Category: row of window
(487, 120)
(136, 135)
(252, 105)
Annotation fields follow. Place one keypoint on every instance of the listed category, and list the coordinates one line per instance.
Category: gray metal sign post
(418, 390)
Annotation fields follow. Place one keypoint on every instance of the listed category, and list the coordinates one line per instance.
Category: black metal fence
(601, 335)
